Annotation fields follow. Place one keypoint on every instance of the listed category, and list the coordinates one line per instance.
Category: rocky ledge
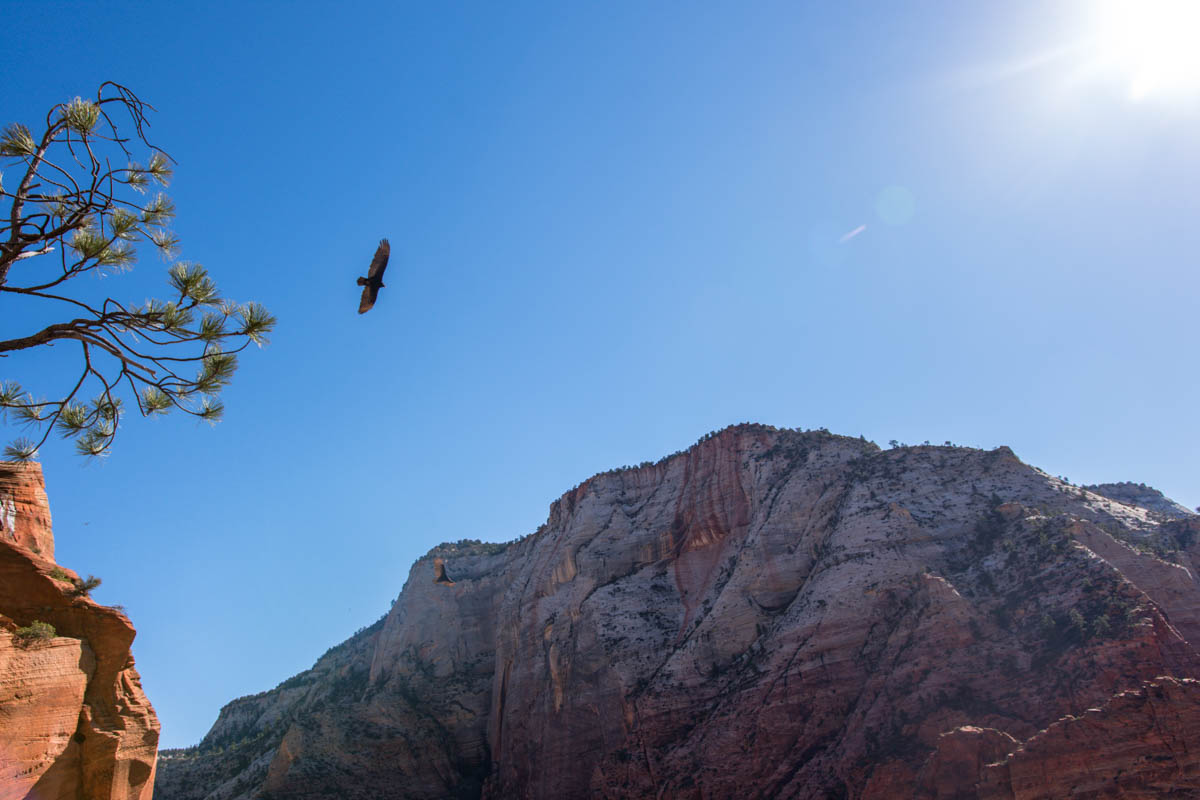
(74, 722)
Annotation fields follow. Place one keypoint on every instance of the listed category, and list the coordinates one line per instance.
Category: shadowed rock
(439, 572)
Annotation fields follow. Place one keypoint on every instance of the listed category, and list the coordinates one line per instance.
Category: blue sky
(614, 227)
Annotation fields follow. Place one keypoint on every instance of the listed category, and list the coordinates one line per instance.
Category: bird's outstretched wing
(367, 300)
(379, 262)
(374, 280)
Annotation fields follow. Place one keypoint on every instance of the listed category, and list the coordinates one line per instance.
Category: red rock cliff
(24, 510)
(769, 614)
(74, 723)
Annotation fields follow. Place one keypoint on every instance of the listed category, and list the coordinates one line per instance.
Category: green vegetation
(1185, 537)
(80, 205)
(83, 586)
(80, 587)
(35, 631)
(469, 547)
(1162, 546)
(1037, 584)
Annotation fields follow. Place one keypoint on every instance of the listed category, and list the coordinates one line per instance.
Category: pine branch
(73, 200)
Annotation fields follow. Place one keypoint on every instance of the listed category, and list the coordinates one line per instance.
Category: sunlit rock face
(769, 614)
(24, 510)
(74, 722)
(1139, 494)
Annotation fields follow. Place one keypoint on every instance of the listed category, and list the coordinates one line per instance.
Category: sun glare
(1155, 44)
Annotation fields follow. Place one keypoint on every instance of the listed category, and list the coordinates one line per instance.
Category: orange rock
(24, 510)
(74, 722)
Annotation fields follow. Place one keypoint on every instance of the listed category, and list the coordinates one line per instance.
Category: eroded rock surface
(24, 509)
(1139, 494)
(768, 614)
(1141, 743)
(74, 722)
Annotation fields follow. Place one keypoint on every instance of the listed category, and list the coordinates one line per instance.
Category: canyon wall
(771, 613)
(74, 722)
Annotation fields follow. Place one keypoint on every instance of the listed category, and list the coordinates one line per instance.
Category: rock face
(74, 723)
(769, 614)
(1139, 744)
(24, 510)
(1139, 494)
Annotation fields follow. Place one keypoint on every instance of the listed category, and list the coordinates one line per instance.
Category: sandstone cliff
(24, 509)
(74, 723)
(769, 614)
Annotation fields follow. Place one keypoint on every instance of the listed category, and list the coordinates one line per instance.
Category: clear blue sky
(614, 227)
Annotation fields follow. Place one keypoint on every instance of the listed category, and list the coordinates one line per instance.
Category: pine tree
(73, 213)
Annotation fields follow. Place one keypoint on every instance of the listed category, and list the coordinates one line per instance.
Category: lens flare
(1153, 42)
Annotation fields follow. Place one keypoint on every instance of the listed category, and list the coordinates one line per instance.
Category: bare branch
(32, 253)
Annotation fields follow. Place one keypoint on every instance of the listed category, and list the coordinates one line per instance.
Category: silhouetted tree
(81, 205)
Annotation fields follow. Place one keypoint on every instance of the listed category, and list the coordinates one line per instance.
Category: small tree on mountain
(81, 205)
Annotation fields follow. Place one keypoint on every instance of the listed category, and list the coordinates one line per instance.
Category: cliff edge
(74, 722)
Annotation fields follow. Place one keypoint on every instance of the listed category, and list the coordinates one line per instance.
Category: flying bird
(439, 572)
(374, 280)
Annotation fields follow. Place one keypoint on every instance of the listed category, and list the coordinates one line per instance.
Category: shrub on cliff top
(34, 632)
(83, 586)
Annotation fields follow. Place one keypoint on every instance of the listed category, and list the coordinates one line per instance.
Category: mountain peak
(791, 613)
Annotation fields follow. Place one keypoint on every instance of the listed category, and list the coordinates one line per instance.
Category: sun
(1154, 44)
